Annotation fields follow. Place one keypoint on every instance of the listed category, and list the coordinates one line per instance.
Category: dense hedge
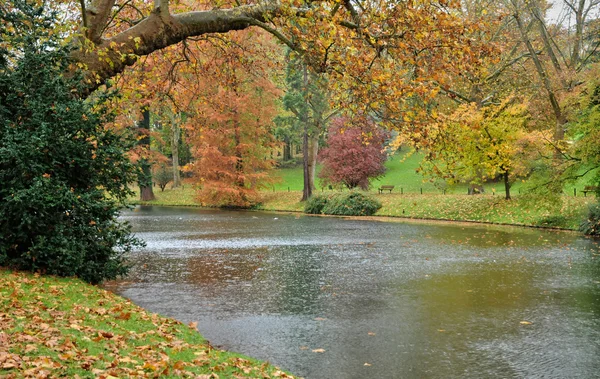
(63, 175)
(343, 204)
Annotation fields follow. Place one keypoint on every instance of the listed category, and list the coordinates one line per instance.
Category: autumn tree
(476, 144)
(565, 53)
(354, 154)
(231, 130)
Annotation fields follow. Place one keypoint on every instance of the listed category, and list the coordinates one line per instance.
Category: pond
(336, 298)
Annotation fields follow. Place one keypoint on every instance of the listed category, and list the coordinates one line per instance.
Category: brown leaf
(124, 316)
(318, 350)
(193, 325)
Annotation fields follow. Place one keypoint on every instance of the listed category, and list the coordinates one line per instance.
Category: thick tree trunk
(308, 186)
(175, 134)
(313, 152)
(506, 186)
(145, 175)
(158, 30)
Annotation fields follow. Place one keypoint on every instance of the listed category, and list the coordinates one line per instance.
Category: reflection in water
(386, 300)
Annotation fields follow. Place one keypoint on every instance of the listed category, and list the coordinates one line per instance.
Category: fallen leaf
(367, 364)
(318, 350)
(371, 333)
(526, 323)
(193, 325)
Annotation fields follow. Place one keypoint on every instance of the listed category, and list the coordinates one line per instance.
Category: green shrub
(315, 204)
(343, 204)
(591, 226)
(63, 175)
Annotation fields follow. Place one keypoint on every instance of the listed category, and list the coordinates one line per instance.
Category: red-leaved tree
(355, 153)
(230, 132)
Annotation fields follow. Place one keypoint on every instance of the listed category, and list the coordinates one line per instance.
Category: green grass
(401, 173)
(57, 327)
(406, 200)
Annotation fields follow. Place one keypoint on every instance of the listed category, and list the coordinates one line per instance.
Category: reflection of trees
(220, 267)
(475, 316)
(478, 236)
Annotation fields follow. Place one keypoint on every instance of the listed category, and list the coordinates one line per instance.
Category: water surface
(382, 299)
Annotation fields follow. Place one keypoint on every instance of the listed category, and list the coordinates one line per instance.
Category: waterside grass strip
(57, 327)
(564, 212)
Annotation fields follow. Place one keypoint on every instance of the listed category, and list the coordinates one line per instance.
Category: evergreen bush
(315, 204)
(63, 175)
(591, 225)
(343, 204)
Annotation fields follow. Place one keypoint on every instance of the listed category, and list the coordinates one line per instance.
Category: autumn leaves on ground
(52, 327)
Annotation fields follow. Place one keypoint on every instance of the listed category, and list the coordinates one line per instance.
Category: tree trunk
(145, 175)
(287, 149)
(307, 190)
(175, 134)
(313, 152)
(506, 186)
(308, 184)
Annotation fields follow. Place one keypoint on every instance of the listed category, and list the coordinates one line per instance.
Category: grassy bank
(415, 197)
(563, 211)
(52, 327)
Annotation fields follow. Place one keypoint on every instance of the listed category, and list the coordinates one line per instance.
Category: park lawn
(563, 212)
(416, 197)
(62, 327)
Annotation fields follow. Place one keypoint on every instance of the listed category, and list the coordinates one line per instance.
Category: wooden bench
(385, 188)
(587, 189)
